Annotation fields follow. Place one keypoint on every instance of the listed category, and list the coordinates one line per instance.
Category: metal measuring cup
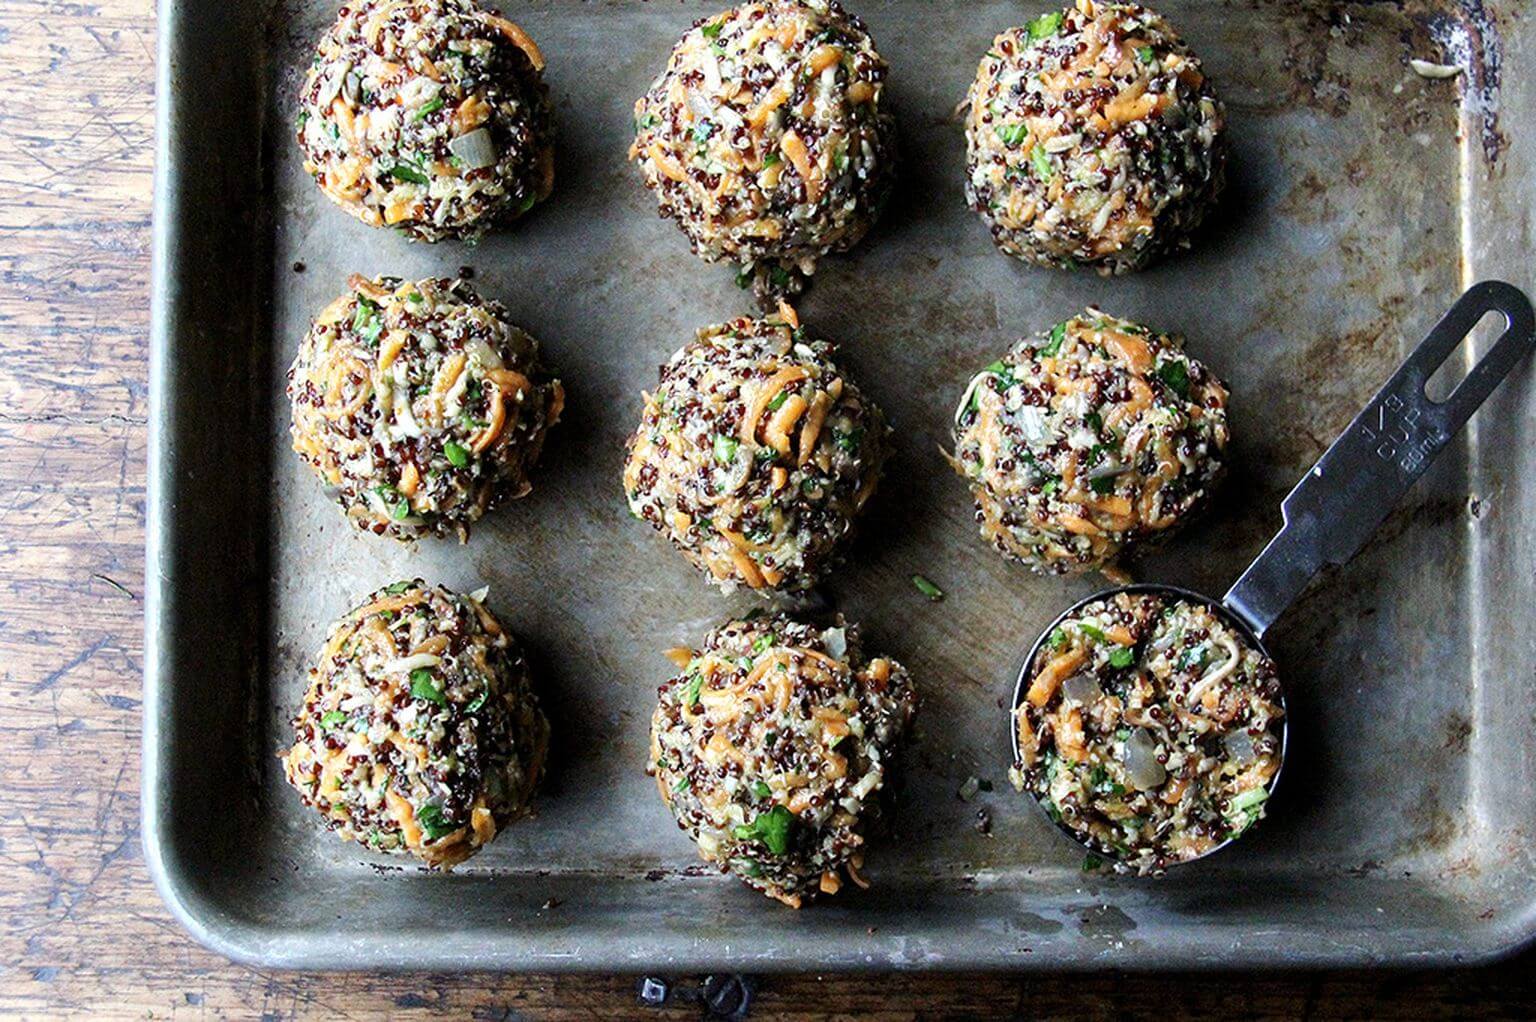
(1347, 494)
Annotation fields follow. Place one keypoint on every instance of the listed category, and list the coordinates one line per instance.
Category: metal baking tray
(1363, 198)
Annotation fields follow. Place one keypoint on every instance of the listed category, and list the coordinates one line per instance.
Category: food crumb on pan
(773, 746)
(1093, 138)
(1088, 439)
(430, 116)
(420, 405)
(755, 455)
(420, 733)
(1150, 729)
(766, 140)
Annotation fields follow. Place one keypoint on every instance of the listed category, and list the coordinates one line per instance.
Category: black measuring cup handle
(1392, 442)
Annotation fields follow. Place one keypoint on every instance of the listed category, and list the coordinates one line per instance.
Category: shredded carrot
(825, 57)
(520, 39)
(800, 157)
(766, 392)
(1051, 676)
(814, 419)
(665, 163)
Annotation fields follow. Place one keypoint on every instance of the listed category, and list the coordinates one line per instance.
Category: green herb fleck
(848, 441)
(332, 719)
(1012, 134)
(1144, 54)
(771, 828)
(430, 816)
(682, 784)
(725, 449)
(1091, 862)
(396, 588)
(762, 642)
(1105, 485)
(408, 172)
(927, 588)
(424, 687)
(1122, 657)
(1096, 634)
(691, 697)
(457, 455)
(428, 108)
(744, 279)
(1176, 376)
(478, 701)
(778, 400)
(1041, 160)
(712, 30)
(1045, 26)
(761, 790)
(1057, 335)
(1057, 639)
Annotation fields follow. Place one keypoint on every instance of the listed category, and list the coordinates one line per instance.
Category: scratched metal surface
(1362, 198)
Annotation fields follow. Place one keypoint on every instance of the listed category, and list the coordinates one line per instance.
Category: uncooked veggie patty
(1094, 139)
(773, 747)
(427, 115)
(1150, 728)
(420, 733)
(1088, 439)
(765, 138)
(755, 455)
(419, 405)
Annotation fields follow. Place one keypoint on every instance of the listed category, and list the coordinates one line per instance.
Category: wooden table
(82, 927)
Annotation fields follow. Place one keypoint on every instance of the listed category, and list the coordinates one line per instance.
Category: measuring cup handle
(1392, 442)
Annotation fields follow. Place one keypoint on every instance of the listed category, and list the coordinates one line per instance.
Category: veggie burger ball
(755, 454)
(419, 405)
(1151, 729)
(420, 732)
(1094, 436)
(1093, 139)
(427, 115)
(765, 139)
(772, 747)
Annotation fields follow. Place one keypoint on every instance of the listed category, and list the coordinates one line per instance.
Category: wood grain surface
(81, 928)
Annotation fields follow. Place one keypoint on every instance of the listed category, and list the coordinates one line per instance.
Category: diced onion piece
(1239, 745)
(1083, 688)
(476, 149)
(1141, 766)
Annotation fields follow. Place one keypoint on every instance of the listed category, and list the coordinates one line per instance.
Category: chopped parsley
(396, 588)
(1176, 376)
(1096, 634)
(848, 441)
(725, 449)
(1102, 486)
(1012, 134)
(712, 30)
(1057, 335)
(761, 790)
(457, 455)
(927, 588)
(1122, 657)
(691, 697)
(1057, 639)
(332, 719)
(430, 816)
(408, 172)
(1041, 160)
(1045, 26)
(1144, 54)
(428, 108)
(424, 687)
(366, 321)
(770, 828)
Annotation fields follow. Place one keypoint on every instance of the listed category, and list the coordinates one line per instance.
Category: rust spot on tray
(1467, 34)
